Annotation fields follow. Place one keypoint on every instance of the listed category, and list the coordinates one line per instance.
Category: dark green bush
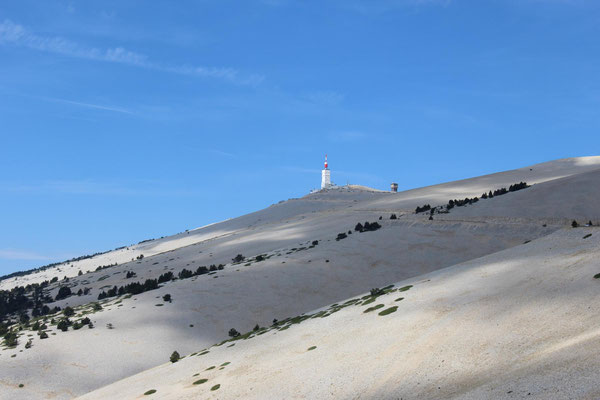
(63, 293)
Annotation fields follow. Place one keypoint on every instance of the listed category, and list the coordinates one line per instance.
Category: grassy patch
(216, 387)
(204, 352)
(405, 288)
(200, 381)
(597, 276)
(377, 307)
(587, 236)
(209, 368)
(225, 363)
(399, 298)
(389, 310)
(369, 301)
(159, 305)
(311, 348)
(149, 392)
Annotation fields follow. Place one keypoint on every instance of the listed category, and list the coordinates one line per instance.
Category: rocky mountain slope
(295, 262)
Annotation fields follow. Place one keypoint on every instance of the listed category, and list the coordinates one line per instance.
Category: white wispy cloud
(221, 153)
(12, 254)
(17, 35)
(88, 105)
(325, 97)
(100, 188)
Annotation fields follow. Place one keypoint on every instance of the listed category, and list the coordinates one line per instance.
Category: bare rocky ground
(468, 326)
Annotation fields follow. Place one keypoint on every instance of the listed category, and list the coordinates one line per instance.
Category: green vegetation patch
(311, 348)
(405, 288)
(587, 236)
(149, 392)
(399, 298)
(369, 301)
(216, 387)
(203, 353)
(225, 363)
(200, 381)
(389, 310)
(209, 368)
(597, 276)
(377, 307)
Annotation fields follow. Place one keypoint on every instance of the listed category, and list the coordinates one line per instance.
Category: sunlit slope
(203, 309)
(520, 323)
(295, 277)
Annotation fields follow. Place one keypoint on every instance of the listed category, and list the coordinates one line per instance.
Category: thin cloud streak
(11, 254)
(17, 35)
(89, 187)
(88, 105)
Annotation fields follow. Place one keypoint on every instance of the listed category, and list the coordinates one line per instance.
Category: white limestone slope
(521, 323)
(289, 282)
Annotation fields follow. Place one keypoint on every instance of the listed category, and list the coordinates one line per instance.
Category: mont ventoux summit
(483, 288)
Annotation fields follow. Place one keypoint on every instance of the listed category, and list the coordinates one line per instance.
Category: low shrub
(341, 236)
(389, 310)
(175, 357)
(377, 307)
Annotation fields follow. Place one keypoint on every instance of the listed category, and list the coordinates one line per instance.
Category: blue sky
(126, 120)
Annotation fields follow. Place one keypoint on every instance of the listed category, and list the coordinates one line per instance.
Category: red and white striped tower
(325, 176)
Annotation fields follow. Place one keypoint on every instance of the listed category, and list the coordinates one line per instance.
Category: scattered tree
(63, 292)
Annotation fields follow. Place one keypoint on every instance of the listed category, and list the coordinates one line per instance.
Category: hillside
(503, 326)
(301, 268)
